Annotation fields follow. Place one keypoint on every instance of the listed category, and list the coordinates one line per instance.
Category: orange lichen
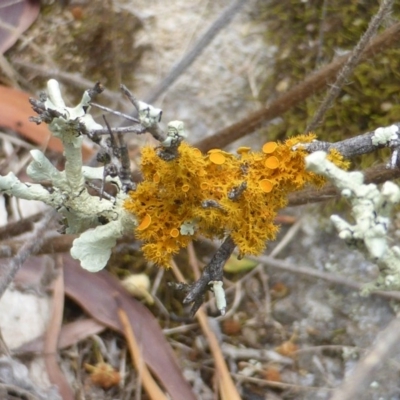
(174, 233)
(269, 147)
(266, 185)
(272, 162)
(173, 193)
(243, 150)
(103, 375)
(156, 177)
(217, 158)
(145, 223)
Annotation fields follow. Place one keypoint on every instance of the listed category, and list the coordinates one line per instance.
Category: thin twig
(351, 63)
(150, 385)
(75, 79)
(212, 272)
(227, 387)
(30, 247)
(313, 273)
(118, 113)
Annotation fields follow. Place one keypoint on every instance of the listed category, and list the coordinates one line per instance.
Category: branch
(213, 272)
(378, 174)
(362, 144)
(31, 246)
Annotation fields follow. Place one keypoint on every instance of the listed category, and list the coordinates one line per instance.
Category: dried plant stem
(150, 385)
(350, 64)
(31, 246)
(313, 273)
(311, 85)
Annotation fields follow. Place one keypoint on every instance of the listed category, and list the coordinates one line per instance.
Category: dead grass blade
(95, 294)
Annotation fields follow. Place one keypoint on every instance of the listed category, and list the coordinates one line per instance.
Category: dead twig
(313, 273)
(212, 272)
(31, 246)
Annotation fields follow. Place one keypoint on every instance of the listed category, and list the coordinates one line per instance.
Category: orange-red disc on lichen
(266, 185)
(197, 152)
(156, 177)
(146, 221)
(174, 232)
(272, 162)
(269, 147)
(217, 158)
(185, 188)
(243, 150)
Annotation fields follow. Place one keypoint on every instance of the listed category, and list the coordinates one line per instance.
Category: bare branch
(31, 246)
(212, 272)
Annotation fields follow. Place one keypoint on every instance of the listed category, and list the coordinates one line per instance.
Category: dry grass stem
(149, 384)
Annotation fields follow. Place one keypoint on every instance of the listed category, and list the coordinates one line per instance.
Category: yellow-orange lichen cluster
(193, 195)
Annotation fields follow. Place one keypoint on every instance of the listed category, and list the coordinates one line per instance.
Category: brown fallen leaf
(54, 371)
(15, 111)
(95, 292)
(16, 17)
(70, 334)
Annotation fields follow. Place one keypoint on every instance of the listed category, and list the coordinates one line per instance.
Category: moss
(370, 99)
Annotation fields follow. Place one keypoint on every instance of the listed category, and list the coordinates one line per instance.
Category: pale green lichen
(175, 133)
(383, 136)
(69, 195)
(371, 209)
